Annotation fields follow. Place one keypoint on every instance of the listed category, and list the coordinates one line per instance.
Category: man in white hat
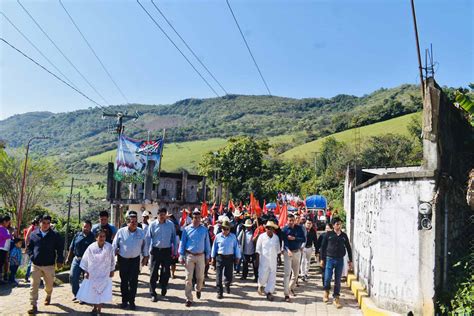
(268, 248)
(145, 218)
(247, 247)
(225, 252)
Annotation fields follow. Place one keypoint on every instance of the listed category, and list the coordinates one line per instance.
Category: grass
(395, 126)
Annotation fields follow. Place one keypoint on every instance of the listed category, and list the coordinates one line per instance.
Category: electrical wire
(93, 52)
(248, 48)
(176, 46)
(62, 53)
(50, 72)
(190, 49)
(39, 51)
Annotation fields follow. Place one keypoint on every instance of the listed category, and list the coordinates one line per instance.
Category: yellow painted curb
(367, 306)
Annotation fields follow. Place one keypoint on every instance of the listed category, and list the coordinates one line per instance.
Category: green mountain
(77, 135)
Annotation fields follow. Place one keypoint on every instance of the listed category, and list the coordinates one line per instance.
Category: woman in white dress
(98, 263)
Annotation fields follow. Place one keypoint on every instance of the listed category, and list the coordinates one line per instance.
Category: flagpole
(161, 154)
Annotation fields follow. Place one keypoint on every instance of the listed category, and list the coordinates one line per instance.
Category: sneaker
(260, 291)
(198, 294)
(227, 289)
(326, 296)
(270, 297)
(124, 305)
(33, 310)
(132, 306)
(220, 296)
(287, 299)
(154, 298)
(337, 302)
(163, 292)
(188, 303)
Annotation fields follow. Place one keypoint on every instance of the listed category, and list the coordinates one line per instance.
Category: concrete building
(408, 225)
(174, 191)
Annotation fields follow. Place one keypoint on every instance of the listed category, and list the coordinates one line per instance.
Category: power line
(39, 51)
(50, 72)
(93, 51)
(176, 46)
(185, 43)
(60, 51)
(248, 48)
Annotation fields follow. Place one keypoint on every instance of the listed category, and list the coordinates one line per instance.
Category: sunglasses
(225, 228)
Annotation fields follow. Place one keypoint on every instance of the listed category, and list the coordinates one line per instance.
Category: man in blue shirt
(129, 243)
(78, 246)
(293, 238)
(225, 252)
(194, 252)
(161, 237)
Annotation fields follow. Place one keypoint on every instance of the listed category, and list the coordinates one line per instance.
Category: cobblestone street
(243, 299)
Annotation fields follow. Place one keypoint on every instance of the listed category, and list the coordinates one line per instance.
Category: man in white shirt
(268, 248)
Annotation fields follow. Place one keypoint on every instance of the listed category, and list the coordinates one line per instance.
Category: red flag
(182, 221)
(221, 208)
(204, 211)
(240, 205)
(213, 212)
(265, 211)
(231, 205)
(258, 209)
(283, 216)
(277, 209)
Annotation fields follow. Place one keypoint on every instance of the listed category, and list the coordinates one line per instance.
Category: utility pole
(420, 66)
(68, 216)
(120, 116)
(79, 206)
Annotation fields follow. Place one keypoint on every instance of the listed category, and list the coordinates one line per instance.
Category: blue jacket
(47, 250)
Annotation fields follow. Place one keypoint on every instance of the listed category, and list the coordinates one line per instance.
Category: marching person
(34, 226)
(225, 253)
(268, 248)
(194, 252)
(145, 221)
(78, 246)
(311, 239)
(247, 248)
(161, 237)
(98, 263)
(5, 240)
(319, 242)
(293, 238)
(128, 244)
(45, 249)
(103, 224)
(333, 250)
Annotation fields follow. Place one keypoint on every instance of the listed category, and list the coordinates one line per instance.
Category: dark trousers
(3, 258)
(129, 271)
(253, 260)
(224, 265)
(13, 270)
(160, 260)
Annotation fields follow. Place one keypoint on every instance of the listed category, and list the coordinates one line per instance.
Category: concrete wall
(387, 243)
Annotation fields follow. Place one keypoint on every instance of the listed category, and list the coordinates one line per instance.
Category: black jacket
(335, 246)
(311, 238)
(47, 250)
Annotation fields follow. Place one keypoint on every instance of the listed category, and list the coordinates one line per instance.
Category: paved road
(243, 299)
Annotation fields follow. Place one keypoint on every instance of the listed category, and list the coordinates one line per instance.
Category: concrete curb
(367, 306)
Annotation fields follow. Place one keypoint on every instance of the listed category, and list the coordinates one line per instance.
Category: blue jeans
(13, 270)
(333, 264)
(28, 269)
(75, 275)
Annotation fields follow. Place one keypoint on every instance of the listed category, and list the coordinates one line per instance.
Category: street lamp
(23, 182)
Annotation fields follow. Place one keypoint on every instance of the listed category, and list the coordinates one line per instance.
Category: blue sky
(304, 49)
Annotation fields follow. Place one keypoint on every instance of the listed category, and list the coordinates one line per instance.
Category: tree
(238, 163)
(41, 177)
(388, 150)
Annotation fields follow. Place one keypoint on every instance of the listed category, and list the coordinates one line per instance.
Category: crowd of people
(232, 242)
